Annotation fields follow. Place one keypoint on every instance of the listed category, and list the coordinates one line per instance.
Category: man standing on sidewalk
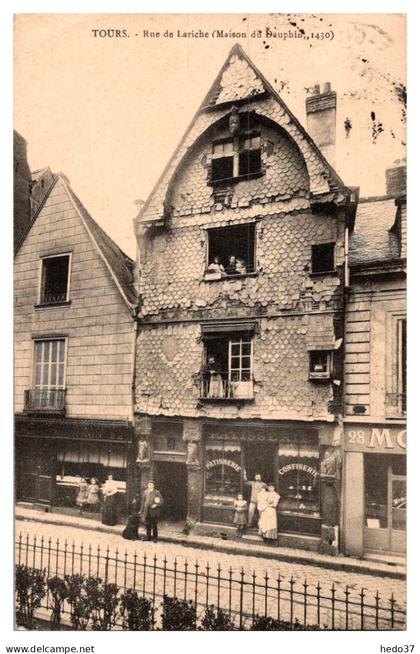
(150, 510)
(256, 487)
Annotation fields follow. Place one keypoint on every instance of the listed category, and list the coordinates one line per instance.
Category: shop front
(375, 489)
(287, 458)
(65, 465)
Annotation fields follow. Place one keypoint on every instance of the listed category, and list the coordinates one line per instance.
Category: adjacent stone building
(375, 375)
(241, 272)
(74, 351)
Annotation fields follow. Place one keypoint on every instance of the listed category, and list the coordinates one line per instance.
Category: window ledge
(208, 277)
(234, 180)
(314, 378)
(52, 305)
(228, 400)
(323, 272)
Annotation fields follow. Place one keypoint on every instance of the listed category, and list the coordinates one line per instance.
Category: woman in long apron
(109, 508)
(267, 507)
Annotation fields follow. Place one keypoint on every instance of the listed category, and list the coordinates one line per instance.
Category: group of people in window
(234, 266)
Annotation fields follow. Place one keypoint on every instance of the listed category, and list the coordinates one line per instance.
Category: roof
(37, 174)
(119, 264)
(372, 238)
(240, 82)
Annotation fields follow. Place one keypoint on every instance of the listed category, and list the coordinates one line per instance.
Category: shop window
(298, 479)
(236, 158)
(323, 258)
(54, 279)
(223, 474)
(89, 460)
(231, 251)
(376, 491)
(320, 364)
(227, 370)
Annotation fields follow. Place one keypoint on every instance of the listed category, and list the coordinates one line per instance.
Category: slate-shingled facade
(273, 405)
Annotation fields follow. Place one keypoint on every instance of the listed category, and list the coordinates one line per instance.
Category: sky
(108, 111)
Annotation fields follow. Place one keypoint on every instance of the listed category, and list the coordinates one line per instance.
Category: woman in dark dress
(109, 508)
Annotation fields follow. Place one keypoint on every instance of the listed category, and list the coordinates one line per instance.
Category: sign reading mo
(376, 439)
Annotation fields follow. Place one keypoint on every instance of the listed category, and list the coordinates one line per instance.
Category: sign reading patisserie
(223, 462)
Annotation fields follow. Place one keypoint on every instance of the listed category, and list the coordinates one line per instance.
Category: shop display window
(222, 473)
(298, 479)
(376, 491)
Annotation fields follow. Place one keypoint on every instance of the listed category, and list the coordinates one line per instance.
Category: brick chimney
(321, 119)
(396, 187)
(396, 179)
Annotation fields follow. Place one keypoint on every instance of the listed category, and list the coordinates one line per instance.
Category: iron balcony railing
(45, 400)
(54, 297)
(222, 386)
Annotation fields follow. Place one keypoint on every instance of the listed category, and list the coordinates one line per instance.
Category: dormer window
(236, 158)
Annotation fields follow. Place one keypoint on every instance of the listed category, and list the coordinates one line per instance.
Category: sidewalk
(166, 534)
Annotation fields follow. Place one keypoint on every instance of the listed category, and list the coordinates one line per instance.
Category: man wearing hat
(152, 501)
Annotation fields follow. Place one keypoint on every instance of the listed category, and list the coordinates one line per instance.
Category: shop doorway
(35, 480)
(171, 480)
(261, 458)
(385, 503)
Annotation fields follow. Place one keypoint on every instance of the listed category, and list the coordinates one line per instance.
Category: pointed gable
(119, 265)
(241, 84)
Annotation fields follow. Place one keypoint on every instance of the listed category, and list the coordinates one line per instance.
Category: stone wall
(97, 322)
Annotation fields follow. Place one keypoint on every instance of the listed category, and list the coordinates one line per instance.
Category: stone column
(143, 436)
(330, 499)
(193, 436)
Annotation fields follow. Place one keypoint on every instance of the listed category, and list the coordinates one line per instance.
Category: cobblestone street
(201, 564)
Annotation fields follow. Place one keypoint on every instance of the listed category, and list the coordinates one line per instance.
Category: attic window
(323, 257)
(237, 158)
(55, 279)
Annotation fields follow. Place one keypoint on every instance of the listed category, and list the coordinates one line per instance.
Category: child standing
(241, 512)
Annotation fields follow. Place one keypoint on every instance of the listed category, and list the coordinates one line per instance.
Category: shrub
(31, 587)
(104, 600)
(59, 592)
(265, 623)
(78, 600)
(216, 620)
(178, 615)
(137, 612)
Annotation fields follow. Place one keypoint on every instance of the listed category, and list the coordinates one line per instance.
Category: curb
(362, 567)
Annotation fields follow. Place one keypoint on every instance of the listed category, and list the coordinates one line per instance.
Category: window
(55, 279)
(236, 158)
(298, 478)
(402, 364)
(48, 392)
(227, 370)
(222, 473)
(231, 251)
(385, 491)
(396, 394)
(49, 363)
(250, 155)
(222, 161)
(323, 257)
(320, 364)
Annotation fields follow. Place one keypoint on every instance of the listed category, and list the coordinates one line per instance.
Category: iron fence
(243, 595)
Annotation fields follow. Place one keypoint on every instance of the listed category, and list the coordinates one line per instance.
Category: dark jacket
(149, 506)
